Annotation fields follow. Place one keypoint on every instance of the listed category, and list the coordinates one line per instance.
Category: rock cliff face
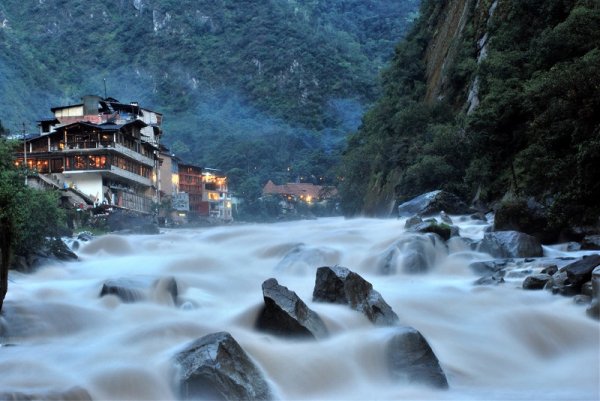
(448, 29)
(456, 24)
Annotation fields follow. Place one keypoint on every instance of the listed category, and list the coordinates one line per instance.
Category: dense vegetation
(535, 133)
(28, 217)
(237, 81)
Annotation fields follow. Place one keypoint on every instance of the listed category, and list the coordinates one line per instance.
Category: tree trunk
(5, 239)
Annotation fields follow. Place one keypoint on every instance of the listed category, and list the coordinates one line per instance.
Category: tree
(28, 217)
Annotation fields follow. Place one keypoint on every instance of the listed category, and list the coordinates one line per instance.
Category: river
(493, 342)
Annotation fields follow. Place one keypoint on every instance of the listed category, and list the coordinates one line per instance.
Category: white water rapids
(494, 343)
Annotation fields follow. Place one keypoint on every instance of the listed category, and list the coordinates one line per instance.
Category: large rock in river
(340, 285)
(580, 271)
(410, 358)
(284, 313)
(511, 244)
(215, 367)
(134, 289)
(432, 203)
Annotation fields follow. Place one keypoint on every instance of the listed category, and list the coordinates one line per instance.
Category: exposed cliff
(489, 99)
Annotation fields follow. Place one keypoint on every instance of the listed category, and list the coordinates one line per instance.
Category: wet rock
(73, 394)
(432, 203)
(412, 221)
(581, 271)
(58, 249)
(284, 313)
(215, 367)
(593, 310)
(137, 289)
(550, 269)
(510, 244)
(443, 230)
(573, 246)
(412, 254)
(339, 285)
(536, 282)
(590, 242)
(410, 358)
(445, 218)
(54, 250)
(560, 284)
(582, 299)
(85, 236)
(488, 267)
(494, 279)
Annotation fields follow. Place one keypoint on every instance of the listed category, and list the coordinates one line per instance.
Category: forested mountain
(255, 86)
(494, 100)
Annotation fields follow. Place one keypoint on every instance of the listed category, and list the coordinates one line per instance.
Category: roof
(104, 126)
(53, 109)
(298, 189)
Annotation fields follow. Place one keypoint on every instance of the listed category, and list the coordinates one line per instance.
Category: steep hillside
(492, 100)
(300, 68)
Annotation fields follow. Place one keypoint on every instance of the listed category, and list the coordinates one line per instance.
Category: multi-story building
(105, 149)
(207, 191)
(109, 153)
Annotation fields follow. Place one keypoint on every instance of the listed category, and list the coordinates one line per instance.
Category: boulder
(73, 394)
(284, 313)
(536, 281)
(215, 367)
(445, 218)
(443, 230)
(549, 269)
(527, 216)
(136, 289)
(432, 203)
(494, 279)
(590, 242)
(53, 250)
(510, 244)
(411, 359)
(412, 254)
(412, 221)
(489, 267)
(580, 271)
(339, 285)
(560, 284)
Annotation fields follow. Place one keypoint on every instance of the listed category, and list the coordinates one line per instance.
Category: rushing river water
(497, 342)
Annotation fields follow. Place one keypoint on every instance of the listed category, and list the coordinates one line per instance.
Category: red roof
(298, 190)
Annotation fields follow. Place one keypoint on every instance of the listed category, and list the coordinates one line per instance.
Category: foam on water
(493, 342)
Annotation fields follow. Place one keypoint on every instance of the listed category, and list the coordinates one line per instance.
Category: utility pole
(25, 152)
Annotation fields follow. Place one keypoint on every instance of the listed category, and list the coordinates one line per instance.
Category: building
(291, 194)
(207, 191)
(106, 150)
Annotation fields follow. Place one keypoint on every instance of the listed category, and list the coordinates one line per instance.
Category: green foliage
(30, 215)
(239, 83)
(534, 134)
